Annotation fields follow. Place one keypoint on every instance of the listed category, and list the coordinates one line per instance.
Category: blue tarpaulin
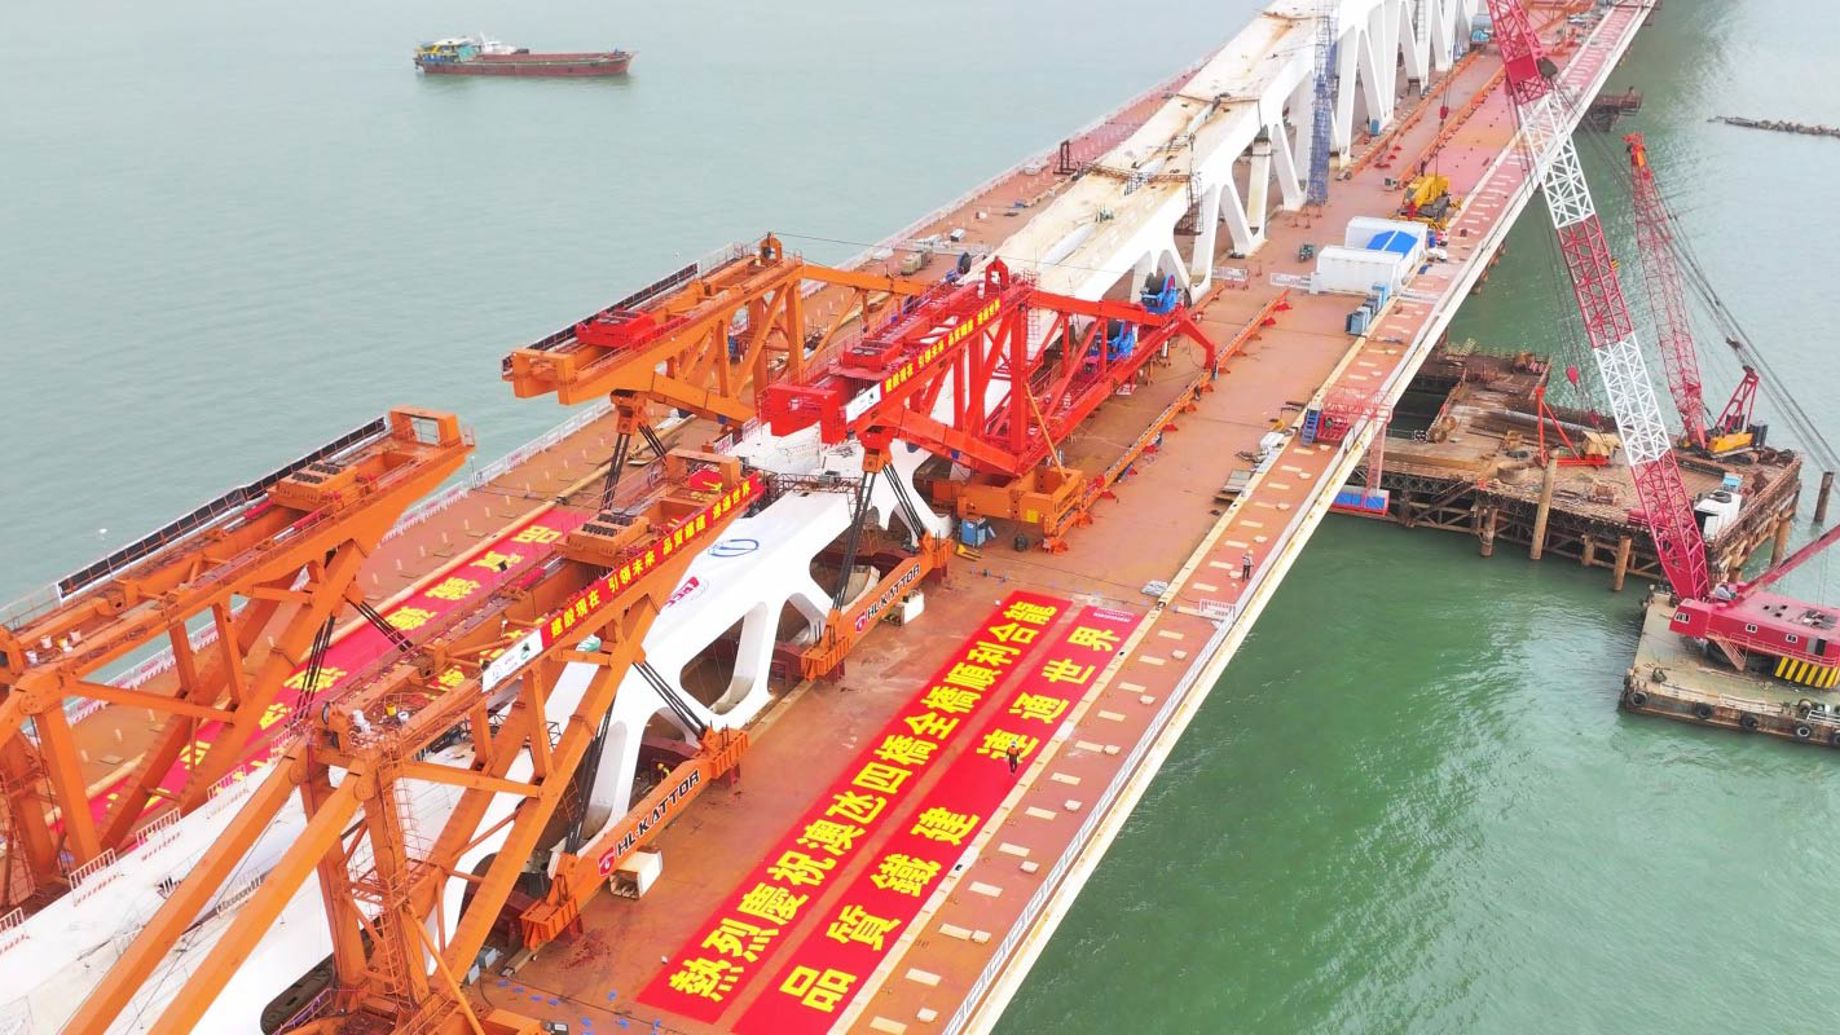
(1397, 241)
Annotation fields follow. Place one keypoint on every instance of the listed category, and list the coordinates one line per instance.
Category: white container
(635, 876)
(1355, 271)
(1362, 229)
(1719, 510)
(911, 608)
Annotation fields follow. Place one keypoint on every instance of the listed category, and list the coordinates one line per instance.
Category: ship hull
(545, 66)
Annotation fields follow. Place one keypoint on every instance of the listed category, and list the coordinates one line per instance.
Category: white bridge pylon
(1237, 129)
(750, 576)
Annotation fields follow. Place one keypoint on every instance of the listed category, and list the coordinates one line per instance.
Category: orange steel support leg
(18, 778)
(322, 522)
(408, 881)
(470, 934)
(59, 749)
(346, 922)
(256, 915)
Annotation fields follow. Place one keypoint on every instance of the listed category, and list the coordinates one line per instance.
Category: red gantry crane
(706, 339)
(1739, 620)
(992, 373)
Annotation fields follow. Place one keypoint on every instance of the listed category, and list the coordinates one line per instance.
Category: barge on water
(1674, 678)
(1469, 450)
(479, 55)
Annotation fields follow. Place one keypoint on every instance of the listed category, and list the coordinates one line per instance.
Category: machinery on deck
(408, 910)
(992, 374)
(1428, 200)
(1740, 621)
(243, 590)
(705, 340)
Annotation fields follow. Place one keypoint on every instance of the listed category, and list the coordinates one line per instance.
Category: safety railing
(1032, 910)
(314, 1007)
(162, 662)
(1226, 618)
(12, 928)
(1051, 882)
(721, 257)
(491, 472)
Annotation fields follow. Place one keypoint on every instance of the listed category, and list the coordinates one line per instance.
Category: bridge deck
(1029, 862)
(976, 936)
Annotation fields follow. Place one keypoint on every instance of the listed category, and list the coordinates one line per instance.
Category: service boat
(479, 55)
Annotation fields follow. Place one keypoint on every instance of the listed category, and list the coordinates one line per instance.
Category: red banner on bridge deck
(710, 968)
(829, 967)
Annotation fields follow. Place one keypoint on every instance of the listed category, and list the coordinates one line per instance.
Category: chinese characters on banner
(461, 588)
(602, 592)
(703, 977)
(826, 970)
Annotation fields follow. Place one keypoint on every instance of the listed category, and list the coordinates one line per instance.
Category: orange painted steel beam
(314, 520)
(137, 963)
(610, 580)
(145, 700)
(703, 342)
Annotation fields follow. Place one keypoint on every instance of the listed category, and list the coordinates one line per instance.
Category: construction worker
(1014, 754)
(1245, 567)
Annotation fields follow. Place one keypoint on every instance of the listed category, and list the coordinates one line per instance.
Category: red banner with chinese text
(829, 967)
(706, 973)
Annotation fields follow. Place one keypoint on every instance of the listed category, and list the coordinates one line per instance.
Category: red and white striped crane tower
(1608, 323)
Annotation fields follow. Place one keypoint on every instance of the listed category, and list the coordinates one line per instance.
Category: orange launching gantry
(704, 341)
(266, 566)
(394, 727)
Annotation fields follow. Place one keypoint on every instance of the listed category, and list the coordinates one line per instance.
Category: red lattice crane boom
(1542, 113)
(1739, 621)
(1667, 297)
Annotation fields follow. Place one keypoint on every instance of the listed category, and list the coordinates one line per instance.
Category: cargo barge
(478, 55)
(1095, 601)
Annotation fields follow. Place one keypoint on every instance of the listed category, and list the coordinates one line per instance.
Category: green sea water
(1410, 805)
(231, 232)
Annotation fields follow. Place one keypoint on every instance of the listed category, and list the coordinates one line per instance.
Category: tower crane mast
(1666, 506)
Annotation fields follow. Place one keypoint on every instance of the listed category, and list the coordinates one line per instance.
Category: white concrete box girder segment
(1244, 113)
